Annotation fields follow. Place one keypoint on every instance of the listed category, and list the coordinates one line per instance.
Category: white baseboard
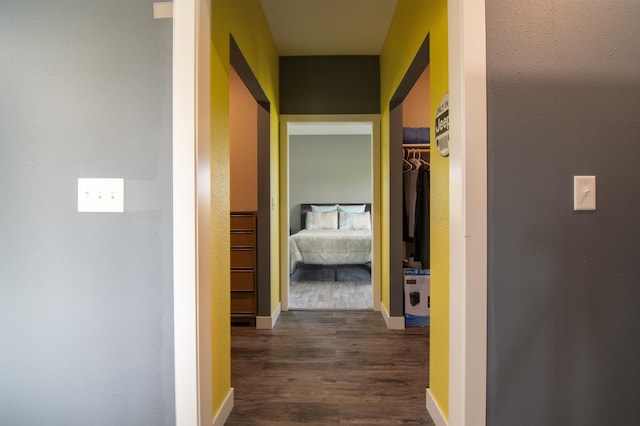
(267, 323)
(434, 410)
(223, 414)
(393, 323)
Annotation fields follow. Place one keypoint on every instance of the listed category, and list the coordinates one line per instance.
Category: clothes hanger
(406, 164)
(415, 159)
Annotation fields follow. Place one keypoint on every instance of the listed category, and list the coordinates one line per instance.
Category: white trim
(192, 309)
(468, 213)
(434, 410)
(203, 207)
(284, 214)
(184, 216)
(376, 215)
(285, 121)
(222, 415)
(267, 323)
(393, 323)
(163, 10)
(333, 128)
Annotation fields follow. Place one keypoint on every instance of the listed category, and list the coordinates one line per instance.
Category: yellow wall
(412, 22)
(246, 21)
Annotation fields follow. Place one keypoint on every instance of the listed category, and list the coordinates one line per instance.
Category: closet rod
(416, 145)
(416, 149)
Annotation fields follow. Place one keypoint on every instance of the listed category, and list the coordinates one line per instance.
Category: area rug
(306, 273)
(326, 295)
(343, 273)
(326, 287)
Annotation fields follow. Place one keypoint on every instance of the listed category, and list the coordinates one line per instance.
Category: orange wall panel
(243, 149)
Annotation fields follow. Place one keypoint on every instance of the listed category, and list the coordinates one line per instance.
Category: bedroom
(330, 171)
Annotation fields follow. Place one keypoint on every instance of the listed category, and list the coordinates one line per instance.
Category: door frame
(192, 212)
(467, 213)
(468, 207)
(285, 120)
(263, 145)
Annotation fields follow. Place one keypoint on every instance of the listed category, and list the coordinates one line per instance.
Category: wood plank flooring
(329, 368)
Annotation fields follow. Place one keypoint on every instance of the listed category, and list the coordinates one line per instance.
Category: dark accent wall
(264, 212)
(396, 200)
(419, 63)
(240, 64)
(86, 302)
(564, 287)
(330, 85)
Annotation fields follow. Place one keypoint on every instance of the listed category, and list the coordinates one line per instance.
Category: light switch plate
(584, 193)
(104, 195)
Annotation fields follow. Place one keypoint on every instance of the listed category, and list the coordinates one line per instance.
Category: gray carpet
(330, 287)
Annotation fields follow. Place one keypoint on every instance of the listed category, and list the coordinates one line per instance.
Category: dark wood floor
(329, 368)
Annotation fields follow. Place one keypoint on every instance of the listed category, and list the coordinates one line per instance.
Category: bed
(338, 233)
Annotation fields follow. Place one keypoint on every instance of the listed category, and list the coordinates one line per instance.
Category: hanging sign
(442, 126)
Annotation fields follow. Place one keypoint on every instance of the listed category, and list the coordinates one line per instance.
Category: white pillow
(322, 209)
(322, 220)
(344, 220)
(361, 221)
(359, 208)
(356, 221)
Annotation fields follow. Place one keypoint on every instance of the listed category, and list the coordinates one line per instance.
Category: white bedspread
(329, 246)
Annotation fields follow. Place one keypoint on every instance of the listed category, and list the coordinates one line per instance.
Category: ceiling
(329, 27)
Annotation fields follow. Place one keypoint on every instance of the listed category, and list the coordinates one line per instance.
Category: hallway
(329, 368)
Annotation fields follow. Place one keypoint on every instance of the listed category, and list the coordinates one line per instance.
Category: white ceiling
(329, 27)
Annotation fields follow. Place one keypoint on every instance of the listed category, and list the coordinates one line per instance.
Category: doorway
(330, 176)
(292, 128)
(250, 160)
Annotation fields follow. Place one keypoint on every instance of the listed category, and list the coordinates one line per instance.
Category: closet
(416, 193)
(416, 168)
(243, 177)
(250, 189)
(415, 183)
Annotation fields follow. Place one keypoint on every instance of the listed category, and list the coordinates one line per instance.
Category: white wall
(327, 169)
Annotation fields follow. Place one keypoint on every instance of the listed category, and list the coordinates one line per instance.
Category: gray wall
(330, 85)
(564, 322)
(85, 298)
(328, 169)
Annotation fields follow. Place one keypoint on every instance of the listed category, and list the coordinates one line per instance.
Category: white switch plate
(162, 10)
(101, 195)
(584, 193)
